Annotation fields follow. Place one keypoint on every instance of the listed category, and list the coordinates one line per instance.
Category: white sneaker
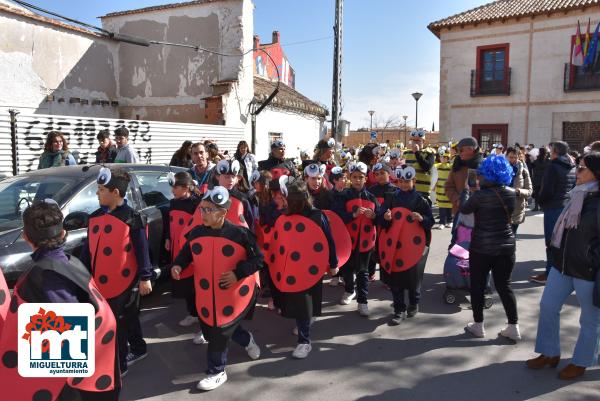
(211, 382)
(347, 298)
(511, 331)
(439, 227)
(449, 225)
(188, 321)
(335, 281)
(199, 339)
(476, 329)
(363, 309)
(252, 349)
(295, 329)
(302, 351)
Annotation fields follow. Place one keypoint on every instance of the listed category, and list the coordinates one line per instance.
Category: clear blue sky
(388, 51)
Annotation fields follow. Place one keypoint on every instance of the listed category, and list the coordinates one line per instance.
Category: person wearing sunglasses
(575, 245)
(277, 164)
(422, 159)
(224, 258)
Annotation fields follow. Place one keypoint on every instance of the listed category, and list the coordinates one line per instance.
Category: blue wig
(496, 169)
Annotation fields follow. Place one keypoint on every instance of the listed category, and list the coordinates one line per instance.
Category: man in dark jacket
(276, 163)
(558, 180)
(107, 151)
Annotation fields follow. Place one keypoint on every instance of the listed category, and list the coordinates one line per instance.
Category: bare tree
(381, 124)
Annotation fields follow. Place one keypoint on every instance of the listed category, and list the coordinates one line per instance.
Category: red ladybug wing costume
(29, 289)
(213, 252)
(196, 221)
(235, 214)
(401, 245)
(343, 242)
(113, 262)
(180, 217)
(4, 300)
(361, 229)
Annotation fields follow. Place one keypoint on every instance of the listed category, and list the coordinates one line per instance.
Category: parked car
(74, 189)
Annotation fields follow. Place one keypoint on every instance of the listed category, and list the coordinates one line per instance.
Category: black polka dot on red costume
(42, 395)
(126, 272)
(318, 247)
(266, 246)
(204, 312)
(295, 256)
(389, 242)
(228, 311)
(398, 215)
(10, 359)
(417, 240)
(107, 229)
(272, 258)
(2, 297)
(399, 263)
(398, 245)
(278, 276)
(276, 235)
(388, 266)
(267, 230)
(281, 250)
(383, 255)
(181, 221)
(354, 226)
(196, 249)
(291, 280)
(314, 270)
(365, 244)
(410, 219)
(103, 279)
(287, 226)
(108, 337)
(95, 229)
(77, 380)
(244, 290)
(14, 305)
(367, 228)
(128, 248)
(228, 250)
(204, 284)
(300, 227)
(107, 251)
(103, 382)
(98, 322)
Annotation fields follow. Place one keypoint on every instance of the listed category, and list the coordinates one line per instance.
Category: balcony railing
(580, 79)
(481, 87)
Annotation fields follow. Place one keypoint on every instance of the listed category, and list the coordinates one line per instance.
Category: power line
(307, 41)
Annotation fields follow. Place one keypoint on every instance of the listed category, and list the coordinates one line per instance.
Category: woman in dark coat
(539, 168)
(183, 156)
(493, 241)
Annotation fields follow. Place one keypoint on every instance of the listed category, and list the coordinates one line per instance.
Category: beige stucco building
(505, 73)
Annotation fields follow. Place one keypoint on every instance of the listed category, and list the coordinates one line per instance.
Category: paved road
(428, 357)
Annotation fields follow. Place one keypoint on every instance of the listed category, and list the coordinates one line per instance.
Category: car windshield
(16, 193)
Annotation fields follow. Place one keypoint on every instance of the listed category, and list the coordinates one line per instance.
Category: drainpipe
(13, 140)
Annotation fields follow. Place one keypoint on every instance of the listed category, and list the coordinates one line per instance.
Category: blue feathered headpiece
(496, 169)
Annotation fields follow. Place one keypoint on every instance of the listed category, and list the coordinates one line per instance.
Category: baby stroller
(456, 266)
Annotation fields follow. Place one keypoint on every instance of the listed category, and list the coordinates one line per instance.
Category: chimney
(256, 41)
(276, 36)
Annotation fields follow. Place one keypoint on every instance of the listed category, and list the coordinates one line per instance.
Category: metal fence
(154, 141)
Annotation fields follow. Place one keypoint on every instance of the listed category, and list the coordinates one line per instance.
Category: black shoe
(397, 318)
(412, 310)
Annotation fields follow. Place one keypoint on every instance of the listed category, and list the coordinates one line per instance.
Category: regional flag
(590, 58)
(586, 43)
(577, 55)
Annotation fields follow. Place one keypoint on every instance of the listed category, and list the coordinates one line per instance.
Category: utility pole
(336, 101)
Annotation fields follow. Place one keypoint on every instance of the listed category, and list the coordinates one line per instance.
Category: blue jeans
(558, 288)
(303, 331)
(414, 296)
(216, 361)
(550, 218)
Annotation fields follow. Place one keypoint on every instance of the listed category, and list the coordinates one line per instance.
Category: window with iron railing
(581, 78)
(492, 75)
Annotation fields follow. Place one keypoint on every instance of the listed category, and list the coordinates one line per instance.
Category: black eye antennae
(87, 168)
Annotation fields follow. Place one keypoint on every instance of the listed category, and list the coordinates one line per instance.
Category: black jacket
(272, 163)
(539, 169)
(579, 253)
(493, 206)
(322, 200)
(106, 156)
(559, 179)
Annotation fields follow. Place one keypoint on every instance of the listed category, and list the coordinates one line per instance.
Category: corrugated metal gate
(155, 141)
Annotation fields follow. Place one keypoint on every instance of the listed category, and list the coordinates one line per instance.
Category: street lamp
(404, 118)
(371, 112)
(417, 96)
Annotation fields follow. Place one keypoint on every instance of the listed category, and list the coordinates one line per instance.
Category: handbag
(596, 292)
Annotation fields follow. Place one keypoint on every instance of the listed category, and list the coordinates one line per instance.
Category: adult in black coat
(539, 167)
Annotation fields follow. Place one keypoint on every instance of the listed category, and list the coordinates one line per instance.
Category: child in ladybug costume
(358, 208)
(404, 240)
(116, 252)
(225, 259)
(337, 178)
(314, 175)
(56, 277)
(181, 210)
(382, 190)
(240, 212)
(302, 250)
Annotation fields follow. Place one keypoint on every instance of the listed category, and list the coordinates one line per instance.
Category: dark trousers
(303, 331)
(445, 216)
(398, 295)
(501, 267)
(515, 227)
(217, 360)
(190, 303)
(550, 218)
(357, 265)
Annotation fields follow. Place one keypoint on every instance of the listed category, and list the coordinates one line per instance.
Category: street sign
(373, 135)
